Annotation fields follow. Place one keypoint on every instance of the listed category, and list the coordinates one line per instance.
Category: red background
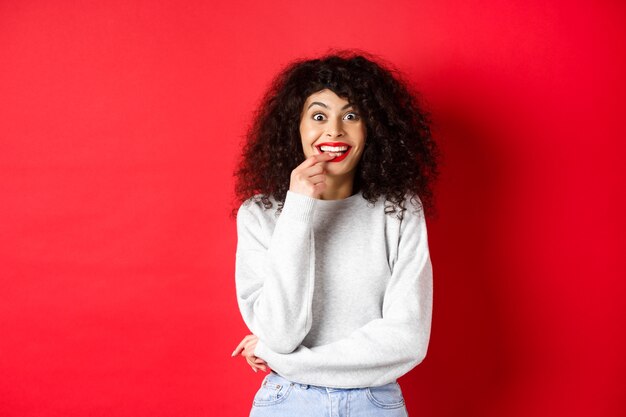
(120, 125)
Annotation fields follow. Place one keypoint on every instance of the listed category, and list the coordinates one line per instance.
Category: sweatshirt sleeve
(274, 272)
(383, 349)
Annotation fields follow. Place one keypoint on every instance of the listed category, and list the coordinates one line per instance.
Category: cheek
(359, 133)
(303, 131)
(363, 133)
(305, 138)
(308, 135)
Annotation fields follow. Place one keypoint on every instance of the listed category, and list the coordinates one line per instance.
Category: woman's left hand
(246, 348)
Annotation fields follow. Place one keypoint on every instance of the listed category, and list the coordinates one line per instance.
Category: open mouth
(339, 148)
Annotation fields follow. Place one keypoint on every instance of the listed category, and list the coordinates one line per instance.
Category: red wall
(120, 126)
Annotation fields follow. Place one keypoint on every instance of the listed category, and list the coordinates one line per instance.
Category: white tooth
(333, 148)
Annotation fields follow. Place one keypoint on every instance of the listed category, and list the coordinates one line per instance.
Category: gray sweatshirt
(338, 293)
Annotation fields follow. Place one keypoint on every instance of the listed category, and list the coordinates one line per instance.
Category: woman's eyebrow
(324, 105)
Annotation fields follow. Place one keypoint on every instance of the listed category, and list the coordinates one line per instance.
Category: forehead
(327, 97)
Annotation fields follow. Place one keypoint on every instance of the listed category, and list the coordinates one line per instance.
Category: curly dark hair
(400, 157)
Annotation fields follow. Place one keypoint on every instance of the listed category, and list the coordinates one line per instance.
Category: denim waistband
(318, 387)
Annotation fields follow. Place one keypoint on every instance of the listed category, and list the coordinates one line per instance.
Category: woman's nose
(334, 129)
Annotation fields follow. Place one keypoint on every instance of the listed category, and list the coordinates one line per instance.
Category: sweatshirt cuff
(298, 207)
(260, 349)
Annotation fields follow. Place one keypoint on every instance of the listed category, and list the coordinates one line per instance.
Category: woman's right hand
(309, 177)
(246, 349)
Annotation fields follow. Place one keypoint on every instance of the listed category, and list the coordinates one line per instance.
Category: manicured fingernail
(254, 369)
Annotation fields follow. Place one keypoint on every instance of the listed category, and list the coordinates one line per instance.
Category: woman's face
(331, 124)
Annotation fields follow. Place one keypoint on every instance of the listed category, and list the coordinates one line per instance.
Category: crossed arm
(382, 349)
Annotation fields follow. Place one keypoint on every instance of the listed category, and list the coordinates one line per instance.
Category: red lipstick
(335, 144)
(341, 157)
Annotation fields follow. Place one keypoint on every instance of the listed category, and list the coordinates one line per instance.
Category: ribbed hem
(298, 207)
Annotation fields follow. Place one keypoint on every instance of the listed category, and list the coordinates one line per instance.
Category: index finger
(317, 158)
(241, 345)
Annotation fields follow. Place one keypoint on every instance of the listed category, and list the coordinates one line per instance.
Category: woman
(333, 273)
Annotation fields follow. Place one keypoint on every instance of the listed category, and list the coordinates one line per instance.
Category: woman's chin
(339, 172)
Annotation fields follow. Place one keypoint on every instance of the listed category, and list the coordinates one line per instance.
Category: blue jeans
(282, 398)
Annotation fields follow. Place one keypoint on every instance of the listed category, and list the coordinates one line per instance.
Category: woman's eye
(318, 116)
(352, 116)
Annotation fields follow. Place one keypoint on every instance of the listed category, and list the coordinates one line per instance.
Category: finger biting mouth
(339, 150)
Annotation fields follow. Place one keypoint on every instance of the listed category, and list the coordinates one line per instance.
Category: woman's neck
(338, 188)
